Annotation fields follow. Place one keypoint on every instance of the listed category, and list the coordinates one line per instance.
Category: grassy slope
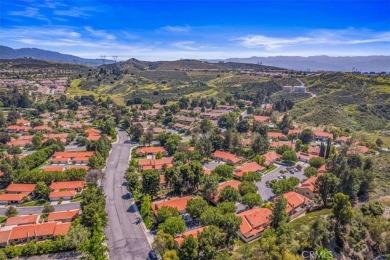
(345, 100)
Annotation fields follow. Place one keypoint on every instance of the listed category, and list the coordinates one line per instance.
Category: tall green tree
(173, 226)
(41, 190)
(196, 206)
(188, 249)
(150, 182)
(94, 248)
(260, 144)
(342, 208)
(327, 185)
(279, 215)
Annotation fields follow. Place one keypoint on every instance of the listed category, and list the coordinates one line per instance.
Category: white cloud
(349, 36)
(176, 29)
(99, 33)
(186, 45)
(30, 12)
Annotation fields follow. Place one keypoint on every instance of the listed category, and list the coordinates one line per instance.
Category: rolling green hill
(346, 100)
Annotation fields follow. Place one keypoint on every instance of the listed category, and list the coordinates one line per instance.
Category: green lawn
(270, 169)
(309, 218)
(34, 203)
(2, 219)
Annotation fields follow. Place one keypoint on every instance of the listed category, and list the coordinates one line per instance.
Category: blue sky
(168, 30)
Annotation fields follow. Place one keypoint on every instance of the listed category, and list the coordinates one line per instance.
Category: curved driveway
(126, 237)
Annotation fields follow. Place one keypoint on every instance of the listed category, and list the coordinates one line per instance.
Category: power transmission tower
(115, 57)
(103, 59)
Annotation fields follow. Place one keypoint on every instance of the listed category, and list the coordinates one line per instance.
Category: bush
(317, 162)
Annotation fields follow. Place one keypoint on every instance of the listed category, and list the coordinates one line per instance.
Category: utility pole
(103, 59)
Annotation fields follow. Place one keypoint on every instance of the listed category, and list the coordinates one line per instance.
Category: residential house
(17, 129)
(248, 167)
(21, 220)
(193, 232)
(277, 135)
(16, 188)
(294, 131)
(158, 164)
(179, 203)
(63, 216)
(297, 204)
(151, 150)
(232, 183)
(307, 188)
(322, 136)
(64, 195)
(77, 186)
(11, 198)
(254, 222)
(271, 157)
(261, 119)
(226, 157)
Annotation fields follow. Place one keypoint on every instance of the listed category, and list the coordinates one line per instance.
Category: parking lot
(266, 192)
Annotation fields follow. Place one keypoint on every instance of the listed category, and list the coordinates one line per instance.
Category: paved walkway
(38, 209)
(126, 236)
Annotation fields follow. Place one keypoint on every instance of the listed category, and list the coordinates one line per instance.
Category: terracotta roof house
(277, 135)
(151, 150)
(261, 119)
(21, 234)
(20, 188)
(19, 143)
(296, 203)
(158, 164)
(226, 157)
(65, 195)
(320, 135)
(343, 139)
(294, 131)
(307, 188)
(23, 122)
(314, 150)
(22, 220)
(4, 235)
(93, 134)
(271, 157)
(43, 128)
(305, 157)
(17, 129)
(249, 167)
(72, 155)
(68, 185)
(63, 216)
(179, 127)
(358, 149)
(54, 169)
(9, 198)
(60, 160)
(232, 183)
(254, 222)
(193, 232)
(322, 169)
(179, 203)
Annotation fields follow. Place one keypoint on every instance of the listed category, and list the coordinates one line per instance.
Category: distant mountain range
(314, 63)
(9, 53)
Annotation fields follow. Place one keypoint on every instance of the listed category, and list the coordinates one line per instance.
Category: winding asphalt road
(126, 237)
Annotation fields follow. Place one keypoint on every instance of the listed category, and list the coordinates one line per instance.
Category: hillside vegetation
(346, 100)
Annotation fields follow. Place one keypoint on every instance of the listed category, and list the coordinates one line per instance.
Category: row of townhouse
(16, 193)
(21, 229)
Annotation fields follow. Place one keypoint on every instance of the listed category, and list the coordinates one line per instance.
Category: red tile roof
(62, 229)
(270, 157)
(14, 187)
(63, 215)
(22, 220)
(276, 135)
(72, 154)
(294, 200)
(249, 167)
(179, 203)
(322, 169)
(294, 131)
(194, 232)
(232, 183)
(4, 235)
(12, 197)
(321, 134)
(62, 194)
(309, 184)
(54, 169)
(42, 127)
(261, 118)
(254, 221)
(151, 150)
(67, 185)
(225, 156)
